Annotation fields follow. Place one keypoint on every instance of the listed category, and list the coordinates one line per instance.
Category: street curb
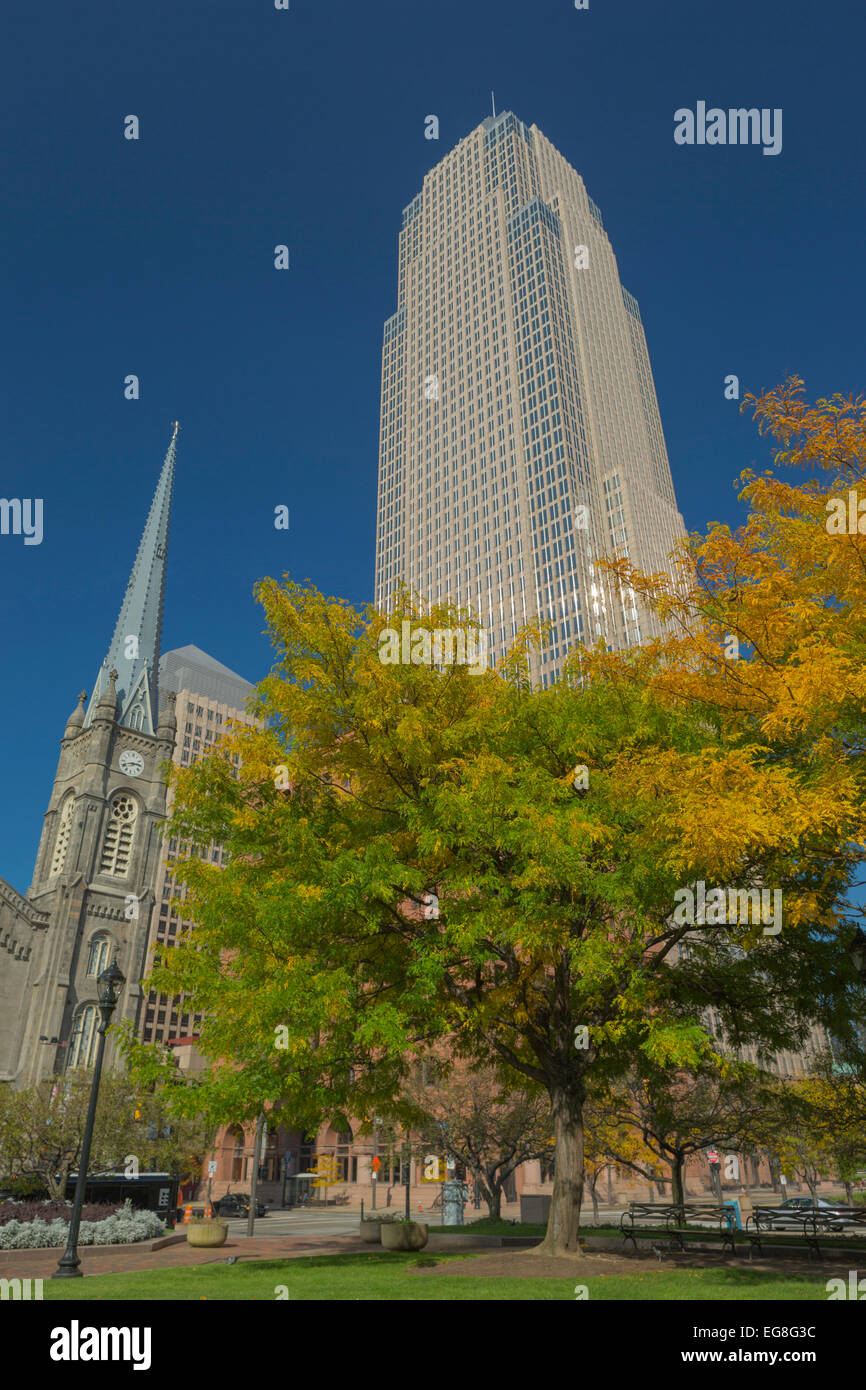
(134, 1246)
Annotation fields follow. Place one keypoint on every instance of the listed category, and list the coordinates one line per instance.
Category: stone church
(92, 895)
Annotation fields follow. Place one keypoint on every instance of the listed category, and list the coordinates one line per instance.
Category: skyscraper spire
(134, 650)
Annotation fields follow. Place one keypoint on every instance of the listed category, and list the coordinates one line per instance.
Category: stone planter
(404, 1235)
(369, 1232)
(207, 1233)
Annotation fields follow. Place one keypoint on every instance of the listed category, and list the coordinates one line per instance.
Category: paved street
(301, 1223)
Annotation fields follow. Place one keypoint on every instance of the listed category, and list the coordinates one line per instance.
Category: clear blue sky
(306, 127)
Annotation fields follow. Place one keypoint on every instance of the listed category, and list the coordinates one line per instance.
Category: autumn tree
(474, 1116)
(679, 1113)
(765, 637)
(828, 1136)
(316, 959)
(613, 1145)
(42, 1130)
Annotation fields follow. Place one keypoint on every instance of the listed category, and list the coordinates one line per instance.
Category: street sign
(713, 1155)
(376, 1164)
(211, 1168)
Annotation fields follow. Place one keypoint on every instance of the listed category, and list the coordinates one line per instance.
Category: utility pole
(254, 1183)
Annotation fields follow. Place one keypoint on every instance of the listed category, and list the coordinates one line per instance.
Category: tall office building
(520, 433)
(208, 696)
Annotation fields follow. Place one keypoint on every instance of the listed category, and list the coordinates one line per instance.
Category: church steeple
(134, 650)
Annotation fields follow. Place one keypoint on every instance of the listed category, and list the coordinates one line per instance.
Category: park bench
(713, 1221)
(808, 1226)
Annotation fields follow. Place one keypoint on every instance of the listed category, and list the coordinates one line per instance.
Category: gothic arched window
(136, 717)
(100, 952)
(119, 834)
(82, 1048)
(64, 830)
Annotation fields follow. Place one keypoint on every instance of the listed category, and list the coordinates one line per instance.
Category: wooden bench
(674, 1221)
(808, 1225)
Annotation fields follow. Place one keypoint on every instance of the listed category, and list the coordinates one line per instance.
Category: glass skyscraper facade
(520, 432)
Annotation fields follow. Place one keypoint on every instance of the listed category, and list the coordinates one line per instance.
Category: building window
(238, 1157)
(119, 835)
(82, 1049)
(100, 952)
(64, 830)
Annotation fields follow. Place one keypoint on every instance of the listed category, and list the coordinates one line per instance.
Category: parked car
(794, 1207)
(237, 1204)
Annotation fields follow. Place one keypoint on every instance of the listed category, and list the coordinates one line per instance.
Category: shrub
(22, 1186)
(51, 1211)
(123, 1227)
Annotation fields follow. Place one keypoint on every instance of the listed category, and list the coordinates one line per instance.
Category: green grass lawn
(385, 1277)
(496, 1226)
(493, 1226)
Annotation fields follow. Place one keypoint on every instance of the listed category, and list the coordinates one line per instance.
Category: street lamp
(111, 982)
(407, 1150)
(374, 1166)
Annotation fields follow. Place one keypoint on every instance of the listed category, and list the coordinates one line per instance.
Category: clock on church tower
(131, 763)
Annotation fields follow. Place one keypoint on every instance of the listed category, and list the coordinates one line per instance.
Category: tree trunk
(563, 1227)
(678, 1190)
(775, 1170)
(849, 1198)
(493, 1198)
(56, 1183)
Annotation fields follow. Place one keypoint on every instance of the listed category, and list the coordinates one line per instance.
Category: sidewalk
(40, 1264)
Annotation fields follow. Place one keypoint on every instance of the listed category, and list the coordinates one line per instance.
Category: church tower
(92, 894)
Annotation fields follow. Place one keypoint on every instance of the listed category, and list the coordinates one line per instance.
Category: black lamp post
(111, 982)
(857, 952)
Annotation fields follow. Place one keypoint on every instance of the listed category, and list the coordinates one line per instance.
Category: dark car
(237, 1204)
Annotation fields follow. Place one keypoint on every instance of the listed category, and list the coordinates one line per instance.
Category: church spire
(134, 650)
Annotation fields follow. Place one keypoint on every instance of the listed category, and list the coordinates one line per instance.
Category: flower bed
(23, 1212)
(123, 1227)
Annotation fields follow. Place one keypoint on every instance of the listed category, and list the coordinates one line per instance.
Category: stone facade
(92, 895)
(93, 884)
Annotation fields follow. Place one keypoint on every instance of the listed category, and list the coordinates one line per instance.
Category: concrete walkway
(40, 1264)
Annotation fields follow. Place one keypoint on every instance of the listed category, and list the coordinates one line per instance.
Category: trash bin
(454, 1196)
(734, 1206)
(535, 1208)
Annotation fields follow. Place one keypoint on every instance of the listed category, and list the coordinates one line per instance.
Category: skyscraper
(207, 697)
(520, 433)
